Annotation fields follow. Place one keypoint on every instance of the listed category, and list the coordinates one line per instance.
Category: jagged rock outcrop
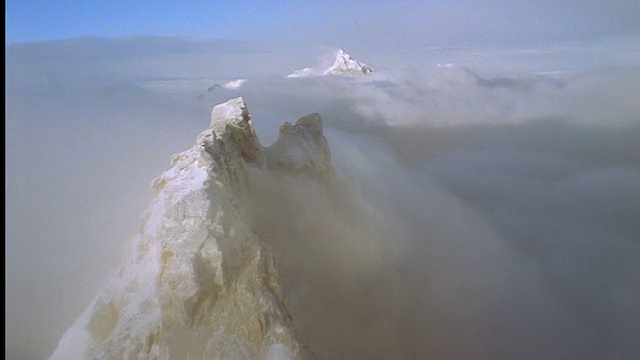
(343, 64)
(197, 283)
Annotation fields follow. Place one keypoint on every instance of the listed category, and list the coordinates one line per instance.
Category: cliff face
(198, 283)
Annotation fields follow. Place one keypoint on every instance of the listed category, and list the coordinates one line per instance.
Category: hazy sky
(413, 23)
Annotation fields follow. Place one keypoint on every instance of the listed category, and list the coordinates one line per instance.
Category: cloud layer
(507, 184)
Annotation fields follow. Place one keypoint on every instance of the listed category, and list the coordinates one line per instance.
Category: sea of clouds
(506, 185)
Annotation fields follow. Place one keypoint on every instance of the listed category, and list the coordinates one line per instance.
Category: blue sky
(413, 23)
(46, 20)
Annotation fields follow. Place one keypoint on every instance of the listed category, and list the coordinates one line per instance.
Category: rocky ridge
(198, 283)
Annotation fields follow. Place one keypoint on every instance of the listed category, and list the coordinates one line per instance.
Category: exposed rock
(197, 283)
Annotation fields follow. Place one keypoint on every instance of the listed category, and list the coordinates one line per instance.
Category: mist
(487, 205)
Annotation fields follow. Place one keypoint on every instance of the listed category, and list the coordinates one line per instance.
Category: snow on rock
(343, 64)
(231, 85)
(305, 72)
(197, 283)
(234, 84)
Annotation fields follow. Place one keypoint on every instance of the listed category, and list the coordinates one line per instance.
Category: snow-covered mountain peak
(199, 283)
(343, 64)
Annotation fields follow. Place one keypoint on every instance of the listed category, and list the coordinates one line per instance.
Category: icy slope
(197, 283)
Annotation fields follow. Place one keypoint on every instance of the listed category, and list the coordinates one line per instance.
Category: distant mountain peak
(343, 64)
